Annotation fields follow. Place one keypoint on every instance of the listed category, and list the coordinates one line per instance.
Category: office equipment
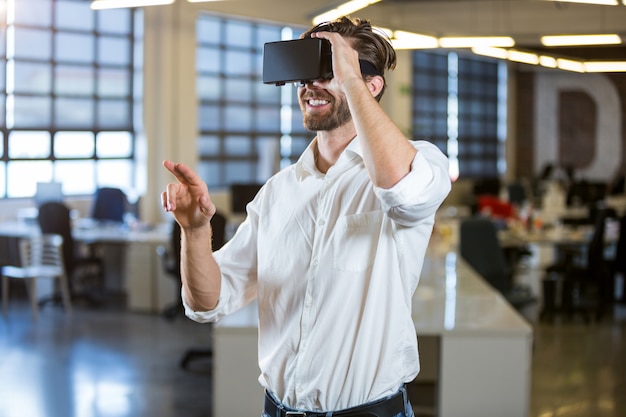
(584, 275)
(85, 272)
(42, 257)
(480, 248)
(48, 191)
(109, 205)
(241, 194)
(617, 265)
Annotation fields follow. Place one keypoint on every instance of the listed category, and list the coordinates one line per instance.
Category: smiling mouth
(317, 102)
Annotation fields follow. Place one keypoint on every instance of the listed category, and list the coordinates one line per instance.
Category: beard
(339, 115)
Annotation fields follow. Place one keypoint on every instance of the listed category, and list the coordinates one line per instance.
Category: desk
(130, 257)
(482, 356)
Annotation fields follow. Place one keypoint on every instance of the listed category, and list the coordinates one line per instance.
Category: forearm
(200, 273)
(387, 152)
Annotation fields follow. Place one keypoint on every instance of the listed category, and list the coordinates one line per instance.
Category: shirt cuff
(407, 190)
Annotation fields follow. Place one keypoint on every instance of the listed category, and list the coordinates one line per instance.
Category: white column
(170, 103)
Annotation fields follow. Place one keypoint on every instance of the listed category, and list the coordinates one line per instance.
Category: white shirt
(333, 262)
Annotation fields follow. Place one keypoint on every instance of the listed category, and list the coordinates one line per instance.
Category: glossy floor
(109, 363)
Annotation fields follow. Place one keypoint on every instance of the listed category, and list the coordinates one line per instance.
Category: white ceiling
(524, 20)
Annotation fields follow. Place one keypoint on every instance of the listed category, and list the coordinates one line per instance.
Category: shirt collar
(305, 166)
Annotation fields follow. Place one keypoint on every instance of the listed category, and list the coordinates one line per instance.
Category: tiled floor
(108, 363)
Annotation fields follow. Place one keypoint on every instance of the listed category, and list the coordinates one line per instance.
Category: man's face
(321, 110)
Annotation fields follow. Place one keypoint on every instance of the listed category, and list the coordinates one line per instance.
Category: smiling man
(332, 247)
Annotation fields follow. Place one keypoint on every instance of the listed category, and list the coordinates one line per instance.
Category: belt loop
(405, 397)
(329, 414)
(404, 393)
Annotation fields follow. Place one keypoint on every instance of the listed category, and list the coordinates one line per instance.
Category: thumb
(206, 206)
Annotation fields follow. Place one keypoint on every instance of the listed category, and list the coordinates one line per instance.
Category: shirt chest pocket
(355, 241)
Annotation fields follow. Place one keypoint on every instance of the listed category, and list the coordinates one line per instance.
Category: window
(459, 104)
(247, 129)
(69, 95)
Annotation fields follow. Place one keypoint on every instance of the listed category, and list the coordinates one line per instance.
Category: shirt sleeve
(420, 193)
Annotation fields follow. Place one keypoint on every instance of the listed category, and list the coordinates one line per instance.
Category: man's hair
(372, 46)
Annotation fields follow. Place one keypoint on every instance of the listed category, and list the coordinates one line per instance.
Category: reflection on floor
(105, 362)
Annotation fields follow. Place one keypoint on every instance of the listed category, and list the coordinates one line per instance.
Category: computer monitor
(241, 194)
(47, 192)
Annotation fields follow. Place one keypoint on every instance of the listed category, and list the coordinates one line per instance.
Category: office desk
(482, 361)
(131, 260)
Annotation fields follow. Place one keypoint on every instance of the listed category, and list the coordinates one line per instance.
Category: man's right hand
(188, 199)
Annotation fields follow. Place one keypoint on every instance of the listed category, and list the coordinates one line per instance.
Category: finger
(183, 173)
(164, 200)
(171, 192)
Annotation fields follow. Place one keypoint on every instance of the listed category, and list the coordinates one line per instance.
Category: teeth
(313, 102)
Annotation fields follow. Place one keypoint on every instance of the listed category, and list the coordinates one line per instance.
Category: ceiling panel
(524, 20)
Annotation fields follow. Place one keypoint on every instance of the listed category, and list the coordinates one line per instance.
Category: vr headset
(299, 60)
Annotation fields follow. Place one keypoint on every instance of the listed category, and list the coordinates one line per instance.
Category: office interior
(569, 365)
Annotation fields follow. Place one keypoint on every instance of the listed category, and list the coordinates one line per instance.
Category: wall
(569, 118)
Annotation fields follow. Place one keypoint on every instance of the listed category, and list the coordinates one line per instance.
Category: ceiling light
(605, 66)
(491, 52)
(475, 41)
(343, 10)
(570, 65)
(120, 4)
(547, 61)
(523, 57)
(570, 40)
(117, 4)
(409, 40)
(603, 2)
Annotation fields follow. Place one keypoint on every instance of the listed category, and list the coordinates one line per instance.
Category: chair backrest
(480, 247)
(109, 205)
(620, 249)
(517, 193)
(595, 249)
(46, 249)
(54, 218)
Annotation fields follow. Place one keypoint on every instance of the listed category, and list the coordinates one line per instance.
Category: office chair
(481, 249)
(109, 205)
(84, 272)
(41, 257)
(617, 265)
(517, 193)
(584, 275)
(172, 267)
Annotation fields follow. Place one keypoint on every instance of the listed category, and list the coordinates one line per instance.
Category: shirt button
(314, 263)
(322, 222)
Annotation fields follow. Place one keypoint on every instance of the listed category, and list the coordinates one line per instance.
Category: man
(332, 246)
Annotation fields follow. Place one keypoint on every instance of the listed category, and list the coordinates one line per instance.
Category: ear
(375, 84)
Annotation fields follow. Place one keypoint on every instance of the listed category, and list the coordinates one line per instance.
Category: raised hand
(188, 199)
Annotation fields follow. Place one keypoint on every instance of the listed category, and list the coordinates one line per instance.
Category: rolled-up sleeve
(422, 190)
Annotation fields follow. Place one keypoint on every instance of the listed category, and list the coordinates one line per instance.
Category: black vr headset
(302, 61)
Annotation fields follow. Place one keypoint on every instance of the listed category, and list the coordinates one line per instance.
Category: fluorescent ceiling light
(343, 10)
(117, 4)
(474, 41)
(547, 61)
(603, 2)
(523, 57)
(570, 65)
(410, 40)
(569, 40)
(491, 52)
(605, 66)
